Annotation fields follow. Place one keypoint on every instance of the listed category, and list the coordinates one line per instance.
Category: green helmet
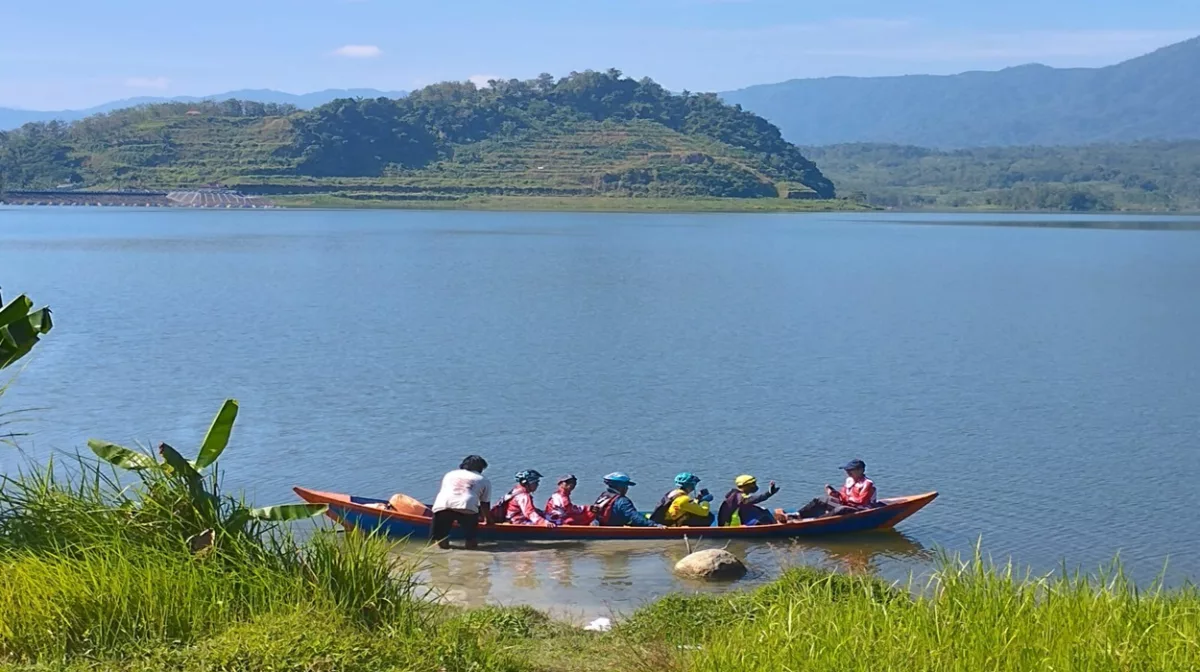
(528, 476)
(686, 478)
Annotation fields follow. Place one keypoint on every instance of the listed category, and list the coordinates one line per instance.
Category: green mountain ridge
(1150, 97)
(592, 133)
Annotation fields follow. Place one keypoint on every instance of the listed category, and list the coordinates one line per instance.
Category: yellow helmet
(744, 480)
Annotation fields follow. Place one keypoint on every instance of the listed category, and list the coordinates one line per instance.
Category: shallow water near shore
(580, 581)
(1045, 380)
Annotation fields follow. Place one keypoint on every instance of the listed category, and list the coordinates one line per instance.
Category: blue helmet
(618, 478)
(686, 478)
(528, 476)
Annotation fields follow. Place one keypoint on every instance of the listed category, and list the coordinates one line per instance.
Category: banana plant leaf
(206, 503)
(15, 309)
(286, 512)
(177, 464)
(20, 329)
(218, 434)
(120, 456)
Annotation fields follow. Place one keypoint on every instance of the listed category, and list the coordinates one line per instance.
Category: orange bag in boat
(405, 504)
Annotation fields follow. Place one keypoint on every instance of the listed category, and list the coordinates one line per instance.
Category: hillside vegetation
(1147, 176)
(592, 133)
(1146, 98)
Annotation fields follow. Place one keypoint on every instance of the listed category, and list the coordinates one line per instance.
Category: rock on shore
(713, 563)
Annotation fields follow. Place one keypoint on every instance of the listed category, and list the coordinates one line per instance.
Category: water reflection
(583, 580)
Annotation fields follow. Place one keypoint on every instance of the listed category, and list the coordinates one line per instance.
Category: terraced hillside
(177, 149)
(588, 134)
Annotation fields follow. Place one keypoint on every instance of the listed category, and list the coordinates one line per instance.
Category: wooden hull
(372, 514)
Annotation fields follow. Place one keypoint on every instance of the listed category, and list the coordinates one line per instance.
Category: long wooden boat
(403, 517)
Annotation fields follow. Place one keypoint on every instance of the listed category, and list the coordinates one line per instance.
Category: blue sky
(76, 53)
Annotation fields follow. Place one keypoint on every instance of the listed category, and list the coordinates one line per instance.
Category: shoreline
(1170, 220)
(598, 204)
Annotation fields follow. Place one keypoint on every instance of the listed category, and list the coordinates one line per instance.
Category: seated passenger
(678, 508)
(857, 494)
(560, 510)
(613, 508)
(741, 505)
(517, 506)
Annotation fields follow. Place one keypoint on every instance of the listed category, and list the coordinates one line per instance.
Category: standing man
(464, 498)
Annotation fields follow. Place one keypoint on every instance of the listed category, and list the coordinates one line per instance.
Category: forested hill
(588, 133)
(1147, 176)
(1151, 97)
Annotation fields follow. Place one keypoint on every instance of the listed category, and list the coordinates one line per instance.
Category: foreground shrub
(972, 616)
(91, 567)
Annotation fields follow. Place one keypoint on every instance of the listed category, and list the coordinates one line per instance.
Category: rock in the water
(713, 563)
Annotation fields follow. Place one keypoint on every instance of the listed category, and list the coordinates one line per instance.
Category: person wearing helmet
(679, 508)
(613, 508)
(741, 505)
(560, 510)
(463, 501)
(517, 507)
(857, 494)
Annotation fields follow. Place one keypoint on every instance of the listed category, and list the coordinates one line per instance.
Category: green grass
(571, 204)
(94, 576)
(972, 616)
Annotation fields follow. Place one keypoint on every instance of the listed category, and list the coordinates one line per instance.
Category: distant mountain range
(14, 118)
(1152, 97)
(1155, 96)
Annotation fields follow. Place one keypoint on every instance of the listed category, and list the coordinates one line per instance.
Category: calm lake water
(1045, 380)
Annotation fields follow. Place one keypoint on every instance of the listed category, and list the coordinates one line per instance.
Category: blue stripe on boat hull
(399, 528)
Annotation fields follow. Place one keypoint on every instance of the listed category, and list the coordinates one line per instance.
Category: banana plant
(188, 473)
(21, 327)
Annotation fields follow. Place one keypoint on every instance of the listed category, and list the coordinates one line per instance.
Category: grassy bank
(573, 204)
(94, 577)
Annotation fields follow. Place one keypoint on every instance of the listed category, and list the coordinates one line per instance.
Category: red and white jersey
(521, 509)
(858, 493)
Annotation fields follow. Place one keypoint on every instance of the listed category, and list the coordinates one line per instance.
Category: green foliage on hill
(1147, 176)
(37, 155)
(587, 134)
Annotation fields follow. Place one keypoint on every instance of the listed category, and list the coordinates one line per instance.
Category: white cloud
(159, 83)
(358, 51)
(482, 80)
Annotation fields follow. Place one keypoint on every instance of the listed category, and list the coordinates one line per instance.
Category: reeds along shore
(95, 574)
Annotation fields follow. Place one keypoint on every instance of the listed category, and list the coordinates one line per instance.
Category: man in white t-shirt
(465, 498)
